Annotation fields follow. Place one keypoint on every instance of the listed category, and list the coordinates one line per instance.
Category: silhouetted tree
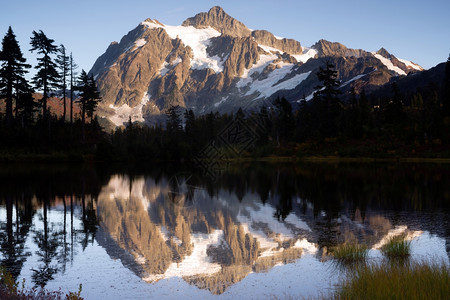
(328, 93)
(89, 98)
(12, 70)
(284, 121)
(174, 120)
(73, 66)
(25, 104)
(393, 111)
(63, 63)
(47, 77)
(446, 94)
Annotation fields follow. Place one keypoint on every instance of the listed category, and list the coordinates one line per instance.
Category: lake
(254, 231)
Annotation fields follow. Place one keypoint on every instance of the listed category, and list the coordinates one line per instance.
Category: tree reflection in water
(163, 221)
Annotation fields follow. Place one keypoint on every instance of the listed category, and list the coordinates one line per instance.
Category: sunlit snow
(410, 64)
(165, 67)
(270, 85)
(353, 79)
(264, 61)
(389, 64)
(124, 112)
(198, 40)
(307, 54)
(139, 43)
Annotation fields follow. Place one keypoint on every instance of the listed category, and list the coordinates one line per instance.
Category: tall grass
(396, 281)
(349, 253)
(9, 289)
(397, 247)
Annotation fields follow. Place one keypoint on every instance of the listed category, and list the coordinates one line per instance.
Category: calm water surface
(258, 231)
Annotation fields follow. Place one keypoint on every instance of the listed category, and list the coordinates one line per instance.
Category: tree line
(56, 73)
(331, 123)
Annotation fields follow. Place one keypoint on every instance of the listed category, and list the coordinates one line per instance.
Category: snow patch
(307, 54)
(124, 112)
(198, 40)
(270, 49)
(261, 64)
(388, 64)
(270, 85)
(165, 67)
(410, 64)
(353, 79)
(139, 43)
(221, 101)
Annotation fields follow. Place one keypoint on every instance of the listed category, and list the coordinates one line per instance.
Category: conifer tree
(328, 93)
(73, 66)
(174, 121)
(189, 118)
(63, 63)
(25, 105)
(393, 112)
(446, 95)
(94, 98)
(47, 77)
(89, 97)
(12, 70)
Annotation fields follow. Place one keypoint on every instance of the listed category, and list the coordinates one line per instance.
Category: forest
(332, 124)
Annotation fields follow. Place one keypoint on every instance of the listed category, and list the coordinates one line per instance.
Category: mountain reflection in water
(163, 223)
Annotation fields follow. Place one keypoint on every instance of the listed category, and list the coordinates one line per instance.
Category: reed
(349, 253)
(397, 247)
(396, 281)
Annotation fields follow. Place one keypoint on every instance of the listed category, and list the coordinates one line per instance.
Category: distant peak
(218, 19)
(216, 10)
(383, 52)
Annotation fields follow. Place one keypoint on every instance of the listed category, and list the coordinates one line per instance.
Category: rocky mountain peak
(327, 48)
(383, 52)
(218, 19)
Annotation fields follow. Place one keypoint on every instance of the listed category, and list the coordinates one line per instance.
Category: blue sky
(415, 30)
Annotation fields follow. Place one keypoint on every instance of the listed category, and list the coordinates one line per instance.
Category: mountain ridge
(213, 62)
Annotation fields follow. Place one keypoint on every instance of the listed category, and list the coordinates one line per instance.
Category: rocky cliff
(213, 62)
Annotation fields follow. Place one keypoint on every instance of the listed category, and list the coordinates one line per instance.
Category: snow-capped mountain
(213, 62)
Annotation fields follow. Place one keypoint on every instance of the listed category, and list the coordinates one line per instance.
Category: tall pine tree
(73, 74)
(63, 63)
(446, 94)
(328, 93)
(12, 70)
(47, 76)
(89, 97)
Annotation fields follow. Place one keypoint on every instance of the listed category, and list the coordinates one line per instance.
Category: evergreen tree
(174, 120)
(94, 98)
(328, 93)
(284, 121)
(63, 63)
(73, 66)
(189, 127)
(47, 76)
(25, 105)
(393, 111)
(89, 98)
(446, 95)
(12, 70)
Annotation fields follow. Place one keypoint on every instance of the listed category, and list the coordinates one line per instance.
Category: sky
(414, 30)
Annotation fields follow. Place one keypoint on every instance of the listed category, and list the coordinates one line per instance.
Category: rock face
(213, 62)
(326, 48)
(218, 19)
